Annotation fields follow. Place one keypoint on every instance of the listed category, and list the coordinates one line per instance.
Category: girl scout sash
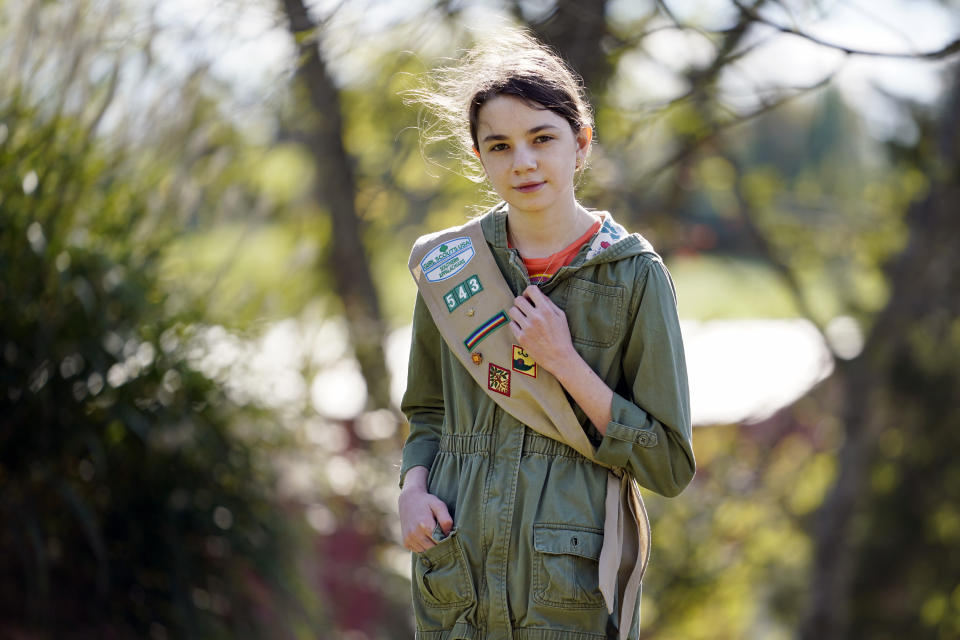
(468, 299)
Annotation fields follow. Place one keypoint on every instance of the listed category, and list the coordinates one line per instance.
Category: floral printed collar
(611, 232)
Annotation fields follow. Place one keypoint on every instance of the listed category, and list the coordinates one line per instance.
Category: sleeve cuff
(418, 454)
(618, 443)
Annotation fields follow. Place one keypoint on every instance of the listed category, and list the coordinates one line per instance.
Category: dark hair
(510, 63)
(540, 91)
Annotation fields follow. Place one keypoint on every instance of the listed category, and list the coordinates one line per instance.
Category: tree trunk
(869, 540)
(576, 29)
(335, 191)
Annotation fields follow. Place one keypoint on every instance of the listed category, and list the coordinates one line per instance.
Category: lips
(528, 187)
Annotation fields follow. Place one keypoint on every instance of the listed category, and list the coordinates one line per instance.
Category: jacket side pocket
(440, 576)
(567, 566)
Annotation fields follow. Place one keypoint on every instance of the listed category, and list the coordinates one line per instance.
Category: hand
(420, 512)
(541, 328)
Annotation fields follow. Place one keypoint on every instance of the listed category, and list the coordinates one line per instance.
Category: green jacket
(528, 511)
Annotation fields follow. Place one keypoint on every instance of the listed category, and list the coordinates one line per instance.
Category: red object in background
(702, 237)
(345, 578)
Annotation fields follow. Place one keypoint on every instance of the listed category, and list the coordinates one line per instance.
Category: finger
(524, 305)
(516, 315)
(442, 514)
(538, 297)
(517, 331)
(415, 542)
(531, 291)
(419, 543)
(425, 528)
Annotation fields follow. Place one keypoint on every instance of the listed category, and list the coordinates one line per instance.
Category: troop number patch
(498, 380)
(462, 292)
(447, 259)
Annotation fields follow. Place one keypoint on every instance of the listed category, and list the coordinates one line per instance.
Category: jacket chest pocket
(594, 313)
(567, 566)
(441, 579)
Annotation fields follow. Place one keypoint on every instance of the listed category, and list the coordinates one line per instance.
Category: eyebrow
(500, 136)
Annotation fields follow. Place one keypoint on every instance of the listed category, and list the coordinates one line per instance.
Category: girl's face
(530, 155)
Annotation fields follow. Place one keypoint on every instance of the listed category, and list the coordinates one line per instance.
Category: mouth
(528, 187)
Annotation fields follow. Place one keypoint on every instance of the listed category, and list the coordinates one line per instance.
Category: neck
(538, 236)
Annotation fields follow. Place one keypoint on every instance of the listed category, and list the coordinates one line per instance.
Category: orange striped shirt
(542, 269)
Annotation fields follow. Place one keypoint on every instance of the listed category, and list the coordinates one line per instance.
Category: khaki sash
(468, 298)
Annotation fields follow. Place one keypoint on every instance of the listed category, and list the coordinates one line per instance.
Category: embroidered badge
(462, 292)
(498, 379)
(477, 357)
(523, 363)
(486, 329)
(447, 259)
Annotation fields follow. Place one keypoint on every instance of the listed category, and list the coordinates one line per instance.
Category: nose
(524, 159)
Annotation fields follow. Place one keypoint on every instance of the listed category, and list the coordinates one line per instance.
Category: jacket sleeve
(422, 401)
(649, 432)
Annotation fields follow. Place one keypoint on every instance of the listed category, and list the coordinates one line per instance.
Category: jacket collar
(612, 242)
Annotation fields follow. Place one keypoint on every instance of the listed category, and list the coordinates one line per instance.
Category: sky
(252, 52)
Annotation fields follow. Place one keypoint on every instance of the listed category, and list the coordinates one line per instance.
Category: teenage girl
(506, 525)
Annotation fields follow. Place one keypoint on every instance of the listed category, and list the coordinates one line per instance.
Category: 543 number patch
(462, 292)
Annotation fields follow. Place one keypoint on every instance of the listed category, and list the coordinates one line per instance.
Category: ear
(476, 152)
(584, 138)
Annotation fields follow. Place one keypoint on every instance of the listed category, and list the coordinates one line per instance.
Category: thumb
(442, 514)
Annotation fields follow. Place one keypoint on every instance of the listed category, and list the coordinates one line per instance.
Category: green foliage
(730, 557)
(130, 508)
(243, 272)
(833, 214)
(707, 286)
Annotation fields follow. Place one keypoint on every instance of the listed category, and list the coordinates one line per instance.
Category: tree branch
(749, 219)
(938, 54)
(695, 143)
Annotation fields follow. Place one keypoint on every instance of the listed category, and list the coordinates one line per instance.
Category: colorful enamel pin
(477, 357)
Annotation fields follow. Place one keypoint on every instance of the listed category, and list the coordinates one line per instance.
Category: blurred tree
(321, 127)
(581, 31)
(886, 562)
(130, 507)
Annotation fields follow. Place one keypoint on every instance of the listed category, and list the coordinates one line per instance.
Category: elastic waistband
(464, 445)
(533, 443)
(465, 631)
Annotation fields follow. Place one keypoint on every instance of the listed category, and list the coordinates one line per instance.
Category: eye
(500, 146)
(543, 138)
